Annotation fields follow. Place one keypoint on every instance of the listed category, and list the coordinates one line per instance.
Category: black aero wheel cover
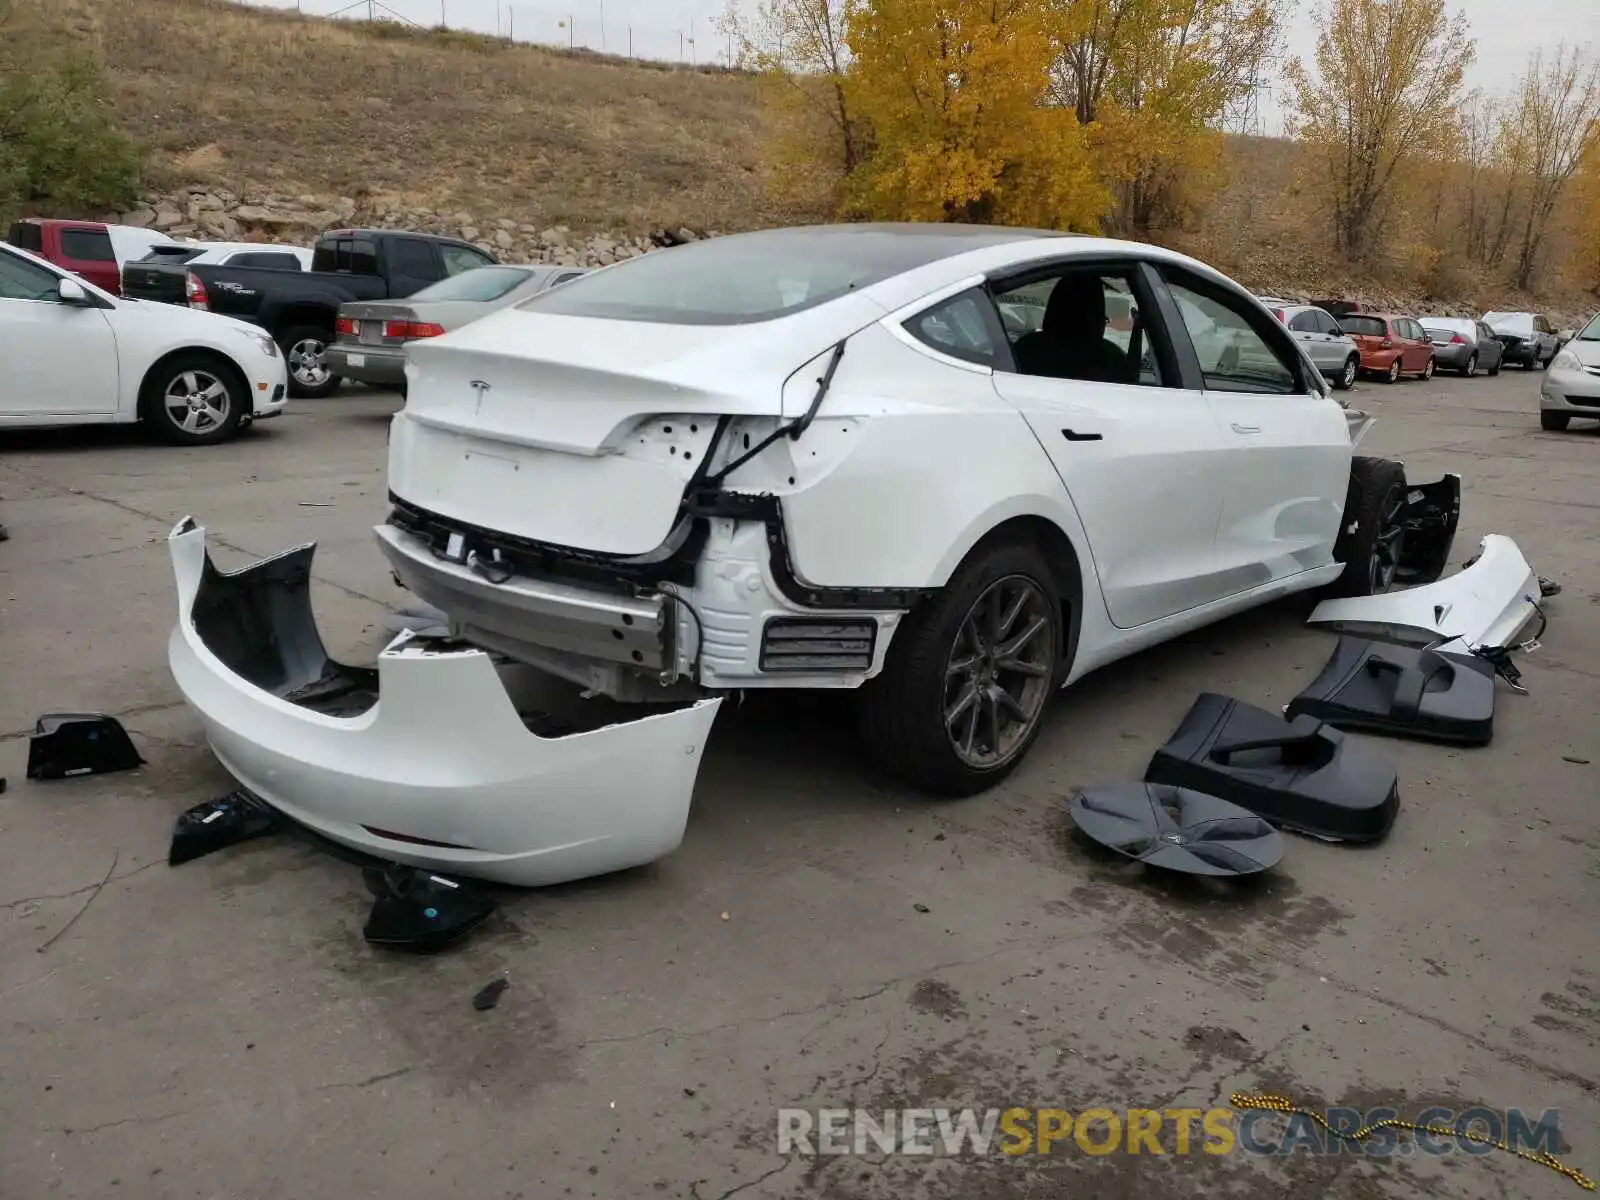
(1177, 829)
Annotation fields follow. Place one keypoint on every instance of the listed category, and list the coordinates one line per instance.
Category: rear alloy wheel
(1471, 368)
(1393, 375)
(1372, 538)
(193, 400)
(1427, 371)
(1347, 375)
(968, 675)
(305, 349)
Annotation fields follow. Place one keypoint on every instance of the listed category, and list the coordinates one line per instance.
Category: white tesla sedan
(820, 458)
(76, 355)
(823, 457)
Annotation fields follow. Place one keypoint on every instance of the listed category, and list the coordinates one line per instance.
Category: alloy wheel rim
(1349, 373)
(197, 402)
(997, 676)
(1388, 543)
(1427, 371)
(307, 363)
(1394, 370)
(1472, 366)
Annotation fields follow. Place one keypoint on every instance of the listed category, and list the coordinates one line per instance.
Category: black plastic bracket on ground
(1302, 775)
(414, 909)
(1403, 691)
(218, 824)
(66, 744)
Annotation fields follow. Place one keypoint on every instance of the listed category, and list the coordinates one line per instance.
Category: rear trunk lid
(365, 323)
(582, 432)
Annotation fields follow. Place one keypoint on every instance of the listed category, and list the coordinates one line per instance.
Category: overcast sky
(1507, 31)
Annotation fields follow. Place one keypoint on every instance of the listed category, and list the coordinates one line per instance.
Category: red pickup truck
(90, 249)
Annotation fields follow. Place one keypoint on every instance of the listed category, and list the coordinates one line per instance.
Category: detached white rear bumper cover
(429, 746)
(1486, 604)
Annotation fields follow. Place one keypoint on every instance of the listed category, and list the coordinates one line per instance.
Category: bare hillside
(255, 99)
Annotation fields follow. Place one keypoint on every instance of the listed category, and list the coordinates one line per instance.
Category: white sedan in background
(1571, 386)
(76, 355)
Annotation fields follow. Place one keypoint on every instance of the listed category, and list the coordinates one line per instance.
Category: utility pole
(602, 26)
(630, 41)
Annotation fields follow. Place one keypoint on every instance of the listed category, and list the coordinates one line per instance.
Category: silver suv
(1330, 348)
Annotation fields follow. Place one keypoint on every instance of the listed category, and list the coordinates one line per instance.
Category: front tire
(1347, 374)
(1372, 536)
(1553, 422)
(193, 399)
(305, 349)
(1427, 371)
(969, 674)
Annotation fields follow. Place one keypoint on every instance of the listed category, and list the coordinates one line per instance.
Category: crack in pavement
(88, 887)
(138, 710)
(758, 1180)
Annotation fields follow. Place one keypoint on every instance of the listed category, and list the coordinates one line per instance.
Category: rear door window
(87, 245)
(411, 261)
(1306, 322)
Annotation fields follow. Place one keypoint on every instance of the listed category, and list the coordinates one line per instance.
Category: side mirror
(70, 291)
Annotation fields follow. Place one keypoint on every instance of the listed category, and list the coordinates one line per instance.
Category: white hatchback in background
(1571, 387)
(75, 355)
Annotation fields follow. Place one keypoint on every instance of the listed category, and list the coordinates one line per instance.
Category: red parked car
(91, 250)
(1390, 345)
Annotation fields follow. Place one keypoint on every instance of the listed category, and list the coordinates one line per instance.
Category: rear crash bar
(424, 759)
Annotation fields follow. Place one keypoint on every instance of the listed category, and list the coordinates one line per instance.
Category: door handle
(1073, 435)
(1238, 428)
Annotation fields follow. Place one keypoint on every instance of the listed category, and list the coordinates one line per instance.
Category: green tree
(61, 150)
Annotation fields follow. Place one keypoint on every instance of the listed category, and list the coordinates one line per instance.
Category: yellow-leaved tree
(798, 49)
(1383, 94)
(1153, 81)
(956, 95)
(1581, 217)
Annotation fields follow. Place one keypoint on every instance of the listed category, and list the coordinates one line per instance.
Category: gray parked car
(1332, 350)
(1463, 345)
(372, 334)
(1529, 338)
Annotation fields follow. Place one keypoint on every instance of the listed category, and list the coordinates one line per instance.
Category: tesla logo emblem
(481, 389)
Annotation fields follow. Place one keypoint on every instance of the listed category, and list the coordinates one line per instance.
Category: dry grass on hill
(259, 99)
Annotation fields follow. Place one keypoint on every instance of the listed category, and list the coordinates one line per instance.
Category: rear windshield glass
(480, 283)
(27, 235)
(1369, 326)
(170, 254)
(1509, 322)
(745, 278)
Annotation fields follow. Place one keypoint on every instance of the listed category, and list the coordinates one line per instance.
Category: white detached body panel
(443, 756)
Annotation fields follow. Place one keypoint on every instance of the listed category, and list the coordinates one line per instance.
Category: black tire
(902, 712)
(1427, 371)
(1553, 422)
(1471, 369)
(296, 342)
(1346, 378)
(1375, 496)
(1495, 370)
(1392, 375)
(196, 398)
